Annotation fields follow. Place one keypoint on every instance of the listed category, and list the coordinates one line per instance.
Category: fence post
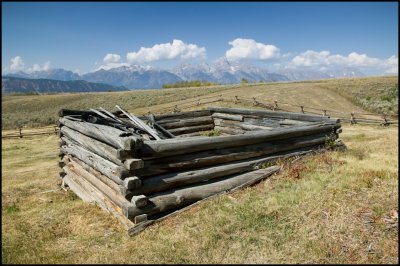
(302, 108)
(353, 119)
(385, 122)
(275, 105)
(324, 112)
(20, 132)
(236, 99)
(255, 101)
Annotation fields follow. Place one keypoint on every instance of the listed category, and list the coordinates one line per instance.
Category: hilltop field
(374, 94)
(335, 207)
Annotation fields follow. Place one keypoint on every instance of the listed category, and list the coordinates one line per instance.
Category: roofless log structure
(143, 169)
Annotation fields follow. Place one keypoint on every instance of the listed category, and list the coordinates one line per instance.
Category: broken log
(184, 196)
(115, 137)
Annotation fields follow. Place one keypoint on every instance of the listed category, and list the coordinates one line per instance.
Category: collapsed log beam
(184, 196)
(117, 138)
(163, 148)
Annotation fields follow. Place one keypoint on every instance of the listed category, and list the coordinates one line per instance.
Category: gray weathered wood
(183, 130)
(226, 116)
(68, 112)
(140, 201)
(115, 137)
(100, 148)
(132, 182)
(107, 168)
(166, 200)
(169, 147)
(276, 114)
(140, 123)
(174, 180)
(182, 115)
(132, 164)
(217, 156)
(115, 197)
(230, 130)
(188, 122)
(96, 196)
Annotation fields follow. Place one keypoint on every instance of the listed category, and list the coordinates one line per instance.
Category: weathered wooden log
(162, 148)
(140, 201)
(276, 114)
(93, 194)
(202, 120)
(239, 125)
(124, 188)
(253, 127)
(194, 134)
(183, 115)
(132, 164)
(183, 130)
(268, 122)
(218, 156)
(68, 112)
(173, 180)
(73, 183)
(226, 116)
(111, 170)
(100, 148)
(115, 137)
(291, 122)
(181, 197)
(227, 123)
(160, 128)
(230, 130)
(115, 197)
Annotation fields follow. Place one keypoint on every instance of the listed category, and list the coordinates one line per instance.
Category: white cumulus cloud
(324, 59)
(250, 49)
(17, 63)
(167, 51)
(111, 58)
(37, 67)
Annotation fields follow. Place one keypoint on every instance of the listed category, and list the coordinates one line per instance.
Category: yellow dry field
(337, 207)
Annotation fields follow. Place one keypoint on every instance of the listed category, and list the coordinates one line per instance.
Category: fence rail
(352, 117)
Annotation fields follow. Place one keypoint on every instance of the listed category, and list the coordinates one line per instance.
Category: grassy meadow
(342, 95)
(335, 207)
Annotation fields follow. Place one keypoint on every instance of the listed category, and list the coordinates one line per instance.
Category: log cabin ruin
(144, 169)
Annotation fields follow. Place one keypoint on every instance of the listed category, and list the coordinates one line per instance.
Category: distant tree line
(191, 83)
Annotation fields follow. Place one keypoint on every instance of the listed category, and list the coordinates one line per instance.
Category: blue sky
(79, 36)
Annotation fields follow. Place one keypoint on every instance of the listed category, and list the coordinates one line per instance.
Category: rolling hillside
(343, 95)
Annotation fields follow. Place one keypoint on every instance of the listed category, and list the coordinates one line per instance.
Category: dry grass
(343, 95)
(338, 207)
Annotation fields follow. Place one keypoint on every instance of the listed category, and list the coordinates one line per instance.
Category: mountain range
(11, 85)
(221, 71)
